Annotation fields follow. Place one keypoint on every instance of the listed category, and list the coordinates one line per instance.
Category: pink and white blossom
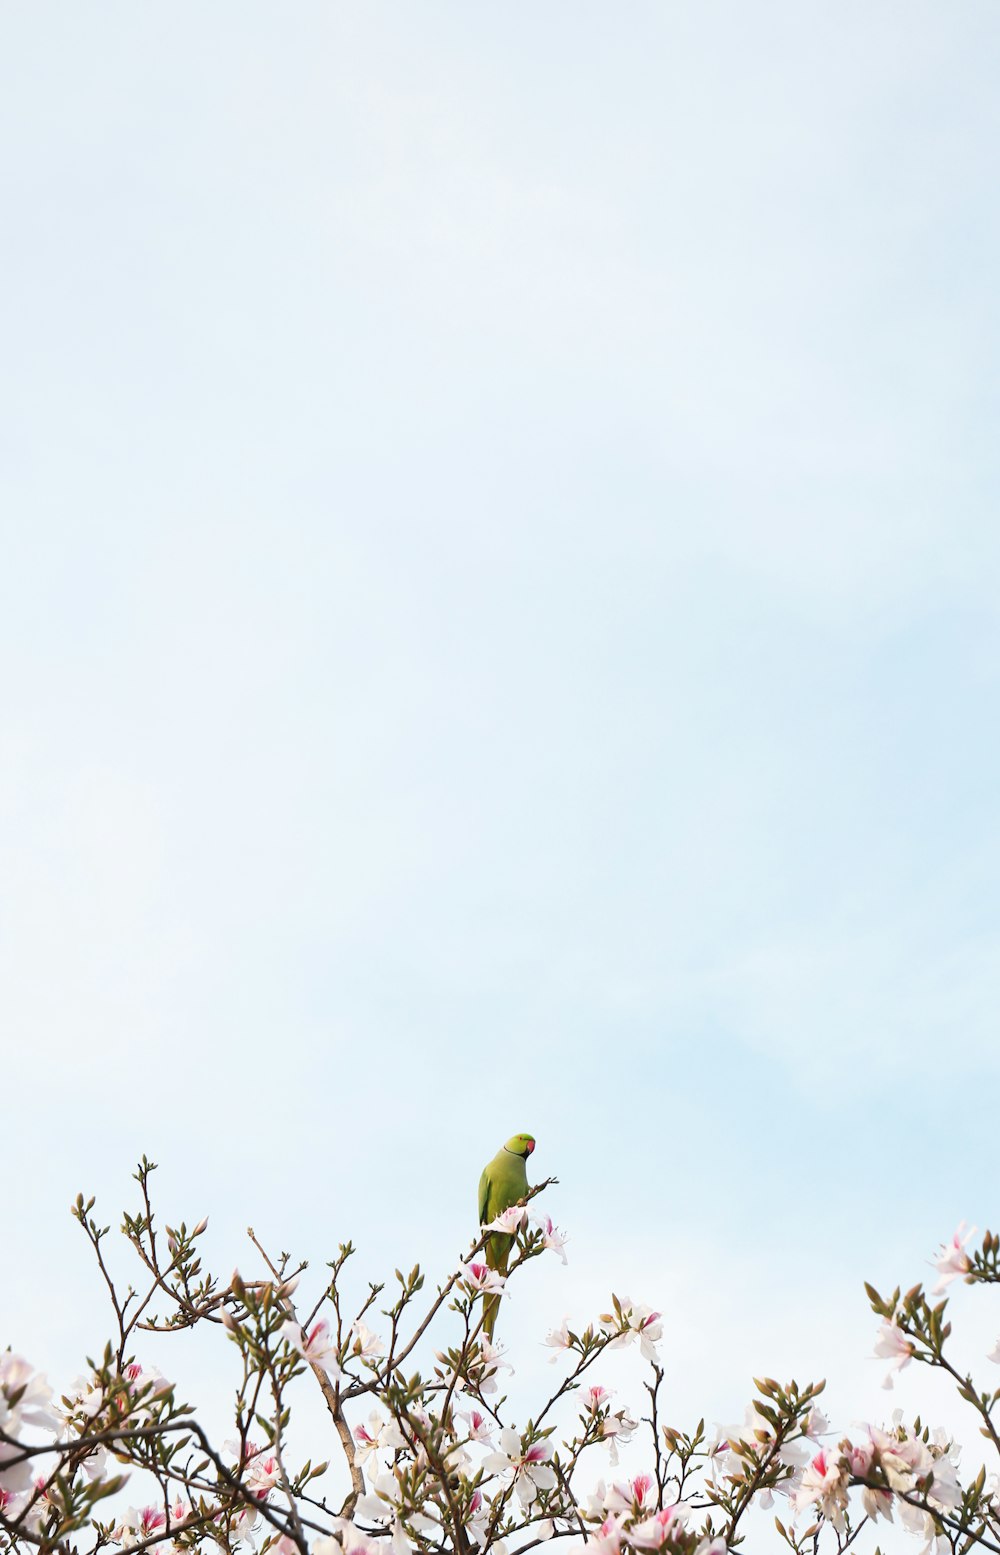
(378, 1436)
(486, 1365)
(480, 1427)
(264, 1472)
(315, 1347)
(478, 1521)
(480, 1280)
(552, 1238)
(952, 1260)
(528, 1467)
(636, 1322)
(381, 1506)
(139, 1525)
(892, 1344)
(824, 1484)
(634, 1496)
(365, 1346)
(617, 1428)
(509, 1221)
(656, 1531)
(25, 1396)
(607, 1539)
(559, 1339)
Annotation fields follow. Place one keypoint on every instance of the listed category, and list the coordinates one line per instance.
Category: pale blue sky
(499, 630)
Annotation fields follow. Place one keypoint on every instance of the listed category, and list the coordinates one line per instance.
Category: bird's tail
(497, 1253)
(491, 1306)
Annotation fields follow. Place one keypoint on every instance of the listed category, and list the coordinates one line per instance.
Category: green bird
(504, 1181)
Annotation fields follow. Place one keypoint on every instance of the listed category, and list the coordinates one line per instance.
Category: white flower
(952, 1259)
(618, 1428)
(559, 1339)
(892, 1343)
(347, 1540)
(379, 1505)
(34, 1396)
(242, 1525)
(382, 1508)
(86, 1397)
(994, 1354)
(314, 1347)
(529, 1466)
(552, 1237)
(367, 1346)
(485, 1366)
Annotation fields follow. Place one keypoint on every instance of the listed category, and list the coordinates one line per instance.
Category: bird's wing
(484, 1197)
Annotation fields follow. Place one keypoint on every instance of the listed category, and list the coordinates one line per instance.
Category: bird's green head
(520, 1144)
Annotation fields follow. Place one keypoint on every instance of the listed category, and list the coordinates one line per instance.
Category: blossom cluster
(431, 1460)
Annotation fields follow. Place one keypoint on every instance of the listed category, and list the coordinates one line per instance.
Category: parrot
(504, 1181)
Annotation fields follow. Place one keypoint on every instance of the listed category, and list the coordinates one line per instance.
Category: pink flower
(477, 1522)
(859, 1457)
(654, 1532)
(509, 1221)
(378, 1436)
(595, 1398)
(314, 1347)
(634, 1495)
(135, 1527)
(953, 1260)
(607, 1540)
(263, 1474)
(480, 1280)
(824, 1484)
(480, 1426)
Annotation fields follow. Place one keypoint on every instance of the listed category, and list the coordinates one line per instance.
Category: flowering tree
(429, 1460)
